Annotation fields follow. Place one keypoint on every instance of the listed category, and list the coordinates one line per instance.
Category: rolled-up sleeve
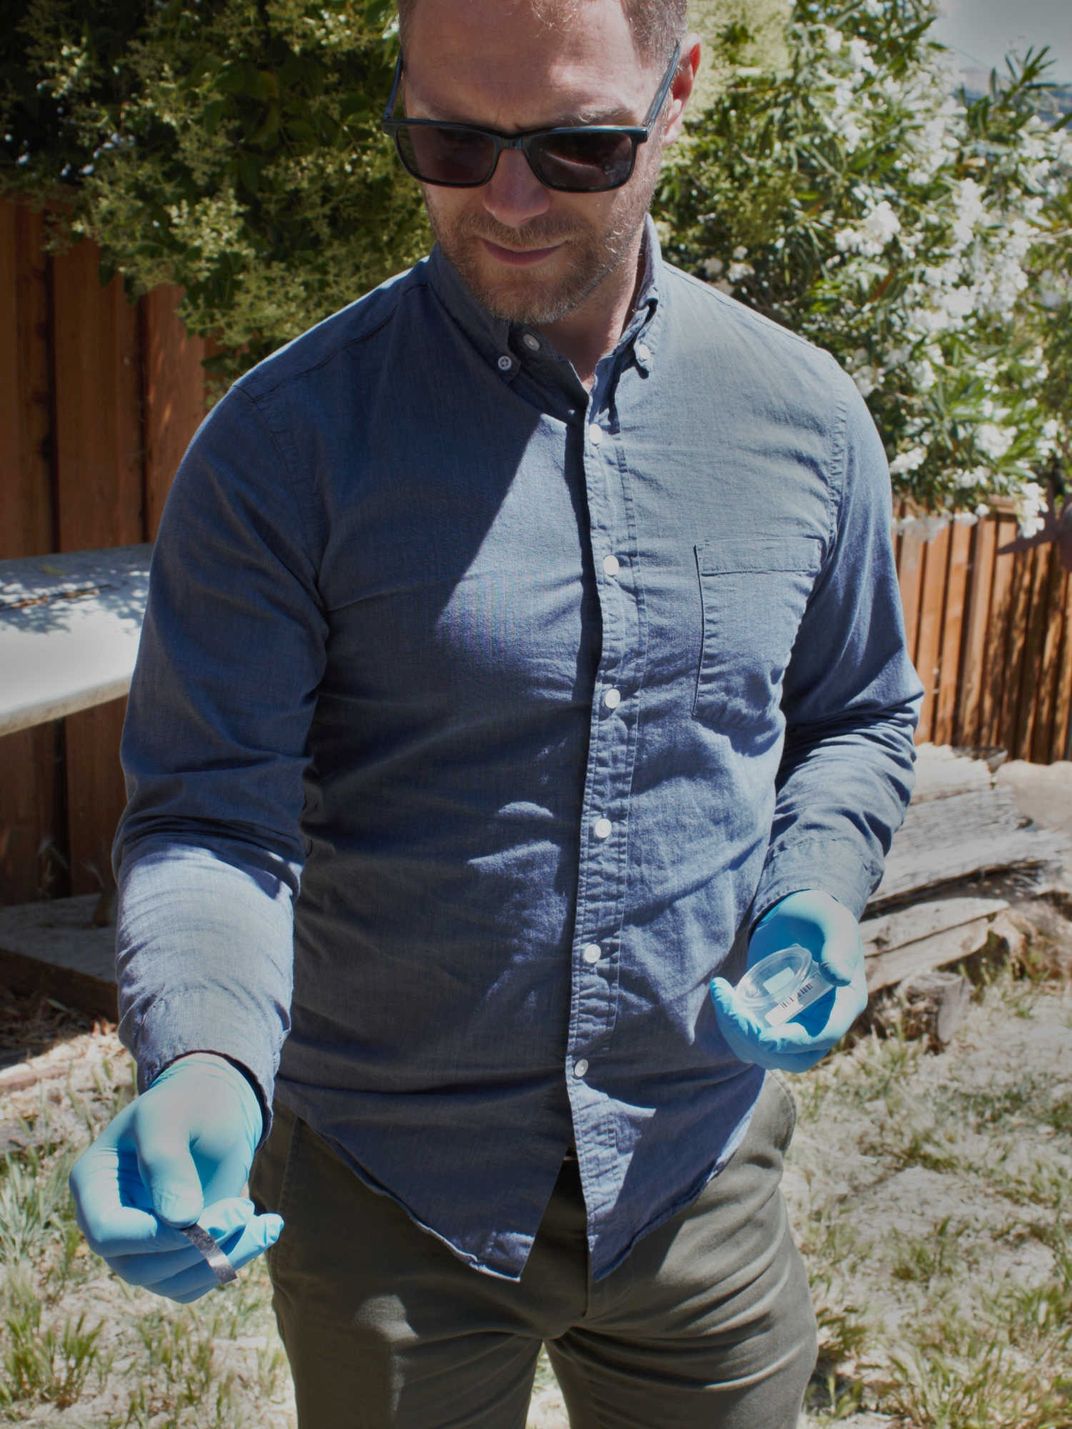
(209, 852)
(851, 696)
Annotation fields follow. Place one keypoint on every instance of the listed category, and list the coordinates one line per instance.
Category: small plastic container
(780, 986)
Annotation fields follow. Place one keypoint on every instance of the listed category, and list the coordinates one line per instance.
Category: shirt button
(612, 699)
(505, 363)
(580, 1068)
(592, 953)
(602, 828)
(595, 434)
(532, 343)
(643, 351)
(611, 565)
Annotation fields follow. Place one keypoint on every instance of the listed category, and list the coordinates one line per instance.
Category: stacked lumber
(940, 899)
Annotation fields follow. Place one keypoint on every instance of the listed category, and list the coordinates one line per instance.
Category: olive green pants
(707, 1322)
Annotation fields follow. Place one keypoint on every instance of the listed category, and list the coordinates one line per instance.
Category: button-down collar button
(592, 953)
(580, 1069)
(602, 828)
(643, 351)
(611, 565)
(595, 434)
(532, 343)
(505, 363)
(612, 699)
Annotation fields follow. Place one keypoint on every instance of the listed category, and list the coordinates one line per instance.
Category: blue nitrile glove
(180, 1153)
(831, 934)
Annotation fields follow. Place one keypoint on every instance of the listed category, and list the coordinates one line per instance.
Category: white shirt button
(532, 343)
(580, 1068)
(595, 434)
(602, 828)
(643, 351)
(611, 565)
(612, 699)
(592, 953)
(505, 363)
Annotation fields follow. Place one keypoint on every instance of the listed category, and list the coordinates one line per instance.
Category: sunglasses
(579, 158)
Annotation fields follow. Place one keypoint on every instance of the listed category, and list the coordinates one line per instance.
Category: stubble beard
(532, 298)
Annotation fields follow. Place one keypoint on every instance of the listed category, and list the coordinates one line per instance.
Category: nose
(514, 194)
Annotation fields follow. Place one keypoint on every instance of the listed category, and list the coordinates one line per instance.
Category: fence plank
(997, 640)
(1019, 614)
(929, 661)
(173, 394)
(1049, 658)
(909, 576)
(973, 665)
(1037, 564)
(952, 630)
(32, 819)
(100, 500)
(1061, 746)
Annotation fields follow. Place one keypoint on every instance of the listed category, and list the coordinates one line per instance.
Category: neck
(593, 329)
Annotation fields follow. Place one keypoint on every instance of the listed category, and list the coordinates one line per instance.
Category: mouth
(518, 257)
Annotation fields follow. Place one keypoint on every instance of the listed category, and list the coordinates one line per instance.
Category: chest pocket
(754, 593)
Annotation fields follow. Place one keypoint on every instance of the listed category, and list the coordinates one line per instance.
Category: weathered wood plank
(909, 577)
(923, 920)
(929, 660)
(1038, 618)
(925, 954)
(954, 603)
(973, 668)
(59, 948)
(959, 836)
(1061, 747)
(941, 771)
(991, 730)
(69, 630)
(1049, 676)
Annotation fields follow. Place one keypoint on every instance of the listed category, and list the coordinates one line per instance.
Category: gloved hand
(831, 934)
(179, 1153)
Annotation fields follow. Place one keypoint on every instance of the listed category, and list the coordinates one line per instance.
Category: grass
(928, 1194)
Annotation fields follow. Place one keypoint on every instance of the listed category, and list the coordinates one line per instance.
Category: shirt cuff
(171, 1029)
(832, 866)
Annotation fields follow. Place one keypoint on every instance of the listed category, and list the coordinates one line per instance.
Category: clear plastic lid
(775, 978)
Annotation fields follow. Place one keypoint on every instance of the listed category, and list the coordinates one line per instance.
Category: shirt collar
(499, 340)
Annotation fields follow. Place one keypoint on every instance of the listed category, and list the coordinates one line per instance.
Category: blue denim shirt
(540, 696)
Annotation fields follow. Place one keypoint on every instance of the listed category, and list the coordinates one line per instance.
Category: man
(538, 613)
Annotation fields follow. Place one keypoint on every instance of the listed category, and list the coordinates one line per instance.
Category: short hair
(656, 24)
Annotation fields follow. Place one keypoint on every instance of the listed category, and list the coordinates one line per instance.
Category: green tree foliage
(230, 146)
(855, 196)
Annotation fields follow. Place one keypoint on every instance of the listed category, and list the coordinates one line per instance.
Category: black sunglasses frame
(529, 138)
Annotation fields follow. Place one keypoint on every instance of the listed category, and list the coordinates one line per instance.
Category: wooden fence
(98, 399)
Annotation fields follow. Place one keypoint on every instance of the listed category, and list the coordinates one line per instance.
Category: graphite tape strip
(220, 1266)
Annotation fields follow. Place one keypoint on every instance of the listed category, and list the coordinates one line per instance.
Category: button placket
(594, 985)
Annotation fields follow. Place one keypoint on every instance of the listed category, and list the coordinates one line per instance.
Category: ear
(682, 87)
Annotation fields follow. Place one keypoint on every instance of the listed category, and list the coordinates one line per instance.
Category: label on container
(784, 1011)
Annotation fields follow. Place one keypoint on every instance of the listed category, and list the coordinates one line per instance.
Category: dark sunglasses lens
(440, 154)
(583, 162)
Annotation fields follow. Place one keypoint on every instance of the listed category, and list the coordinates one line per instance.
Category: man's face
(528, 253)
